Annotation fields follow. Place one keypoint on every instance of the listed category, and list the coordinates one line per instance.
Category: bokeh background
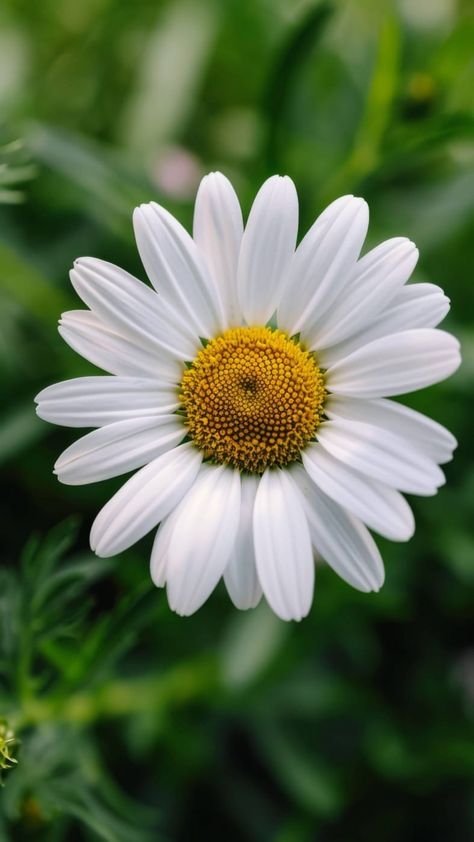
(129, 723)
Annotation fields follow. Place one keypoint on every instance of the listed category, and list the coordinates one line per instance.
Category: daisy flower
(250, 386)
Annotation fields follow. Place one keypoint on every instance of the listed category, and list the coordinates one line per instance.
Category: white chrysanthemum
(250, 388)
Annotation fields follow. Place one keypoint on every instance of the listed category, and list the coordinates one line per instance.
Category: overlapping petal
(396, 364)
(118, 448)
(323, 264)
(132, 308)
(217, 230)
(375, 280)
(144, 500)
(240, 575)
(160, 551)
(414, 306)
(268, 245)
(379, 506)
(381, 454)
(204, 533)
(102, 345)
(96, 401)
(420, 431)
(177, 270)
(283, 551)
(340, 538)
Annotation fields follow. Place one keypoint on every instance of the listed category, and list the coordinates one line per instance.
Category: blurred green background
(131, 724)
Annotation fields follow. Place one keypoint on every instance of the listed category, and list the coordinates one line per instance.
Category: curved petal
(268, 245)
(240, 575)
(383, 509)
(177, 270)
(422, 432)
(132, 308)
(95, 340)
(323, 264)
(414, 306)
(144, 500)
(217, 230)
(282, 542)
(396, 364)
(118, 448)
(96, 401)
(375, 280)
(382, 455)
(159, 554)
(340, 538)
(201, 542)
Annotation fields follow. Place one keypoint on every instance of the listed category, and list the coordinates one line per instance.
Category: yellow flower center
(253, 398)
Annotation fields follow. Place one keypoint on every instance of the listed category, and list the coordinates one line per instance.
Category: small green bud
(7, 744)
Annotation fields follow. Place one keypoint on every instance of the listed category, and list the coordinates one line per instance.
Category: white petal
(144, 500)
(240, 575)
(96, 341)
(218, 230)
(340, 538)
(96, 401)
(268, 245)
(382, 508)
(396, 364)
(382, 455)
(159, 554)
(414, 306)
(177, 270)
(323, 264)
(118, 448)
(132, 308)
(283, 551)
(422, 432)
(375, 280)
(200, 544)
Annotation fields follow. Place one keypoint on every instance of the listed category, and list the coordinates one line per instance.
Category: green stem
(122, 697)
(364, 156)
(24, 663)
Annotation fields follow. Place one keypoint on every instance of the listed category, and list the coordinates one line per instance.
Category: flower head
(249, 386)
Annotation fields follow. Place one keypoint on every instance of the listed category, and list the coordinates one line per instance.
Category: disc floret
(253, 398)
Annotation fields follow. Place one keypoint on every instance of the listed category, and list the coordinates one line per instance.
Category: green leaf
(26, 285)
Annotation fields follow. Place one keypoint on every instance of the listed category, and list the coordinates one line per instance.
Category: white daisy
(250, 387)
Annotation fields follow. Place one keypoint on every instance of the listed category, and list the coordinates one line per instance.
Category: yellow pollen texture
(253, 398)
